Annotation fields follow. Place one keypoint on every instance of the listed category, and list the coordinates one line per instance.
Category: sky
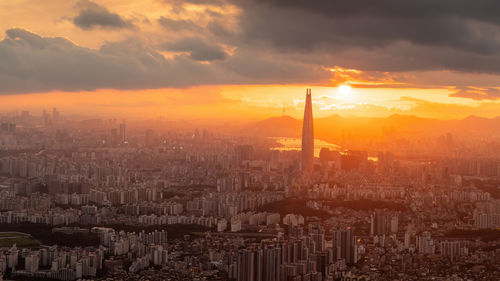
(251, 59)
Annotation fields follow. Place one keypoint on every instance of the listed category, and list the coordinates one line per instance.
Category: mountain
(335, 128)
(284, 126)
(475, 124)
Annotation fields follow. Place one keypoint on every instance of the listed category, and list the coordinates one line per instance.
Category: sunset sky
(250, 59)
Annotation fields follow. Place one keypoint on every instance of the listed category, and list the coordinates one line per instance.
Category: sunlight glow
(344, 93)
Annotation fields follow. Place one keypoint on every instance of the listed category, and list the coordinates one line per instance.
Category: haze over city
(249, 140)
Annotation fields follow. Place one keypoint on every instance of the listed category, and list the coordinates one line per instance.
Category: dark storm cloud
(268, 68)
(403, 57)
(479, 9)
(372, 24)
(198, 49)
(272, 41)
(386, 35)
(92, 15)
(31, 63)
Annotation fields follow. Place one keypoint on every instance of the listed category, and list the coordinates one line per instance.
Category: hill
(284, 126)
(335, 128)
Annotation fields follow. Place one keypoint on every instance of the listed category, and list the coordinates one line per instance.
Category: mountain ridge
(335, 127)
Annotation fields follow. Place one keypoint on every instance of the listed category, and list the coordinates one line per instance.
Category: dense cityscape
(95, 200)
(249, 140)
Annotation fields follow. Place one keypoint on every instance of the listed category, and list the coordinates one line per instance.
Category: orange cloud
(362, 79)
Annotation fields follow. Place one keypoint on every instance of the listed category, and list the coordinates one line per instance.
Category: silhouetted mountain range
(335, 127)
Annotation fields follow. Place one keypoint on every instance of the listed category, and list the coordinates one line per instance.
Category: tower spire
(307, 136)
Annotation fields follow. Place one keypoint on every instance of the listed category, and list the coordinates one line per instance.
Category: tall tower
(307, 136)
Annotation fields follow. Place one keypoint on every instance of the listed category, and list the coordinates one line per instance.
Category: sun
(344, 92)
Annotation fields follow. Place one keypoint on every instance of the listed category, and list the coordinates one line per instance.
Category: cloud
(196, 2)
(391, 35)
(409, 99)
(92, 15)
(450, 23)
(362, 79)
(477, 93)
(260, 42)
(179, 25)
(199, 49)
(31, 63)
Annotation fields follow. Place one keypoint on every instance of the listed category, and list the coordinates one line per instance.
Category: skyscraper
(379, 223)
(122, 132)
(344, 245)
(307, 136)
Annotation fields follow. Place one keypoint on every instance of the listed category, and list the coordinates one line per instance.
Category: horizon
(132, 105)
(228, 120)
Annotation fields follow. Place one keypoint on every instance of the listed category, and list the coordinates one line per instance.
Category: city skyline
(154, 140)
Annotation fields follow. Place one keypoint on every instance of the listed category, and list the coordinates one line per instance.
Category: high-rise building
(344, 245)
(307, 136)
(394, 224)
(122, 132)
(378, 225)
(425, 243)
(452, 249)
